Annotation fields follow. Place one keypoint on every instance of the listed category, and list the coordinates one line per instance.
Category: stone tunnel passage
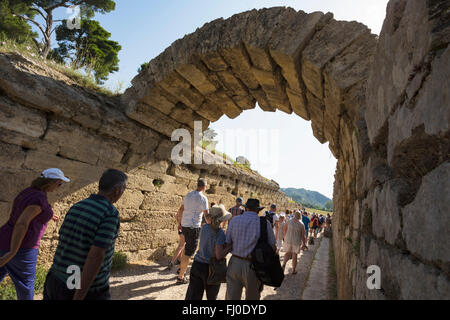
(378, 101)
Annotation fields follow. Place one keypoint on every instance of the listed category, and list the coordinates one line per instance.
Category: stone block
(152, 118)
(5, 211)
(77, 143)
(404, 41)
(431, 96)
(17, 118)
(131, 199)
(39, 161)
(326, 44)
(425, 220)
(11, 156)
(14, 181)
(385, 211)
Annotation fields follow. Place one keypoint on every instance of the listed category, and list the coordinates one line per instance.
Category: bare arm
(91, 267)
(304, 237)
(179, 215)
(222, 250)
(285, 230)
(19, 232)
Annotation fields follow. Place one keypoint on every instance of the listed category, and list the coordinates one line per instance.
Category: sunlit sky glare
(145, 28)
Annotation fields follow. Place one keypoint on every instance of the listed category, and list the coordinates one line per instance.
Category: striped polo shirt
(90, 222)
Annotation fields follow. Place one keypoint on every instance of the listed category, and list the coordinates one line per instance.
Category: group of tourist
(86, 239)
(286, 231)
(88, 233)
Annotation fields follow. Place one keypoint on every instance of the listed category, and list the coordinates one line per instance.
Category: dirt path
(150, 281)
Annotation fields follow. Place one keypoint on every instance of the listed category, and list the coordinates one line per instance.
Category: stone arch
(382, 105)
(307, 64)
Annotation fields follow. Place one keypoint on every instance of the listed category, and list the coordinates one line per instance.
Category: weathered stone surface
(385, 212)
(11, 156)
(5, 208)
(325, 45)
(15, 117)
(405, 40)
(77, 143)
(152, 118)
(306, 63)
(405, 119)
(39, 161)
(290, 40)
(429, 237)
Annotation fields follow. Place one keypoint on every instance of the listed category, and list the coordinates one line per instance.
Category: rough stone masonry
(381, 102)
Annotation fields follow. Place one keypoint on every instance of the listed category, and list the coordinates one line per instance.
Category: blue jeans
(22, 270)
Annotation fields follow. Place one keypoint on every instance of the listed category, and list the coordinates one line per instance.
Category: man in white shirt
(189, 217)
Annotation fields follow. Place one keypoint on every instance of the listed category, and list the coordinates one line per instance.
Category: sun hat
(254, 204)
(54, 173)
(219, 212)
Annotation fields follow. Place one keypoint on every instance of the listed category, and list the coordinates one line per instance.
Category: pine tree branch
(32, 21)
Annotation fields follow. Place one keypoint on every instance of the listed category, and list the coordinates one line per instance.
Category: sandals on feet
(181, 281)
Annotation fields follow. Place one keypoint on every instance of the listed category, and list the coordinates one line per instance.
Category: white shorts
(279, 244)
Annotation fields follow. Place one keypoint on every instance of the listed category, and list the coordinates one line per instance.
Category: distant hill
(306, 197)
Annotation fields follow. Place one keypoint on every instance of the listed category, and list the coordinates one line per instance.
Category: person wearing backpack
(315, 225)
(243, 234)
(212, 244)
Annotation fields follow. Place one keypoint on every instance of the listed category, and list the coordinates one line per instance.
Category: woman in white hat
(21, 235)
(212, 243)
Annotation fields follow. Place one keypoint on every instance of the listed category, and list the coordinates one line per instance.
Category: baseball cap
(240, 200)
(54, 173)
(273, 205)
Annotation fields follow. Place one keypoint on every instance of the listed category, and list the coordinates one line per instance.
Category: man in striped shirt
(237, 210)
(86, 244)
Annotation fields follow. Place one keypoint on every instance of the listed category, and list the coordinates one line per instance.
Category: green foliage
(8, 291)
(88, 47)
(310, 199)
(26, 10)
(143, 67)
(329, 205)
(12, 27)
(119, 261)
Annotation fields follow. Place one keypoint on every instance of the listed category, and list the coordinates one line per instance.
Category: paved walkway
(150, 281)
(317, 283)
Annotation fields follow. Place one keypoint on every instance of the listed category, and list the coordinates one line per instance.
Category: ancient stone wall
(399, 218)
(381, 102)
(47, 121)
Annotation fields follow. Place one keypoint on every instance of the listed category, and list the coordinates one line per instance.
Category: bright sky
(296, 159)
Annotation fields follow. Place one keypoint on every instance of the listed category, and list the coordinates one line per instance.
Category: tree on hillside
(143, 67)
(13, 27)
(44, 9)
(329, 206)
(208, 141)
(88, 47)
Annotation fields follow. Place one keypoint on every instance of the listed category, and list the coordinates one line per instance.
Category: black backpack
(269, 216)
(265, 261)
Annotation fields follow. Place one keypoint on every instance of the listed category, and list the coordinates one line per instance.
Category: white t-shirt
(276, 217)
(194, 204)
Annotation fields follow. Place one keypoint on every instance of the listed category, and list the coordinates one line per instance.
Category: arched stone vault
(381, 103)
(307, 64)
